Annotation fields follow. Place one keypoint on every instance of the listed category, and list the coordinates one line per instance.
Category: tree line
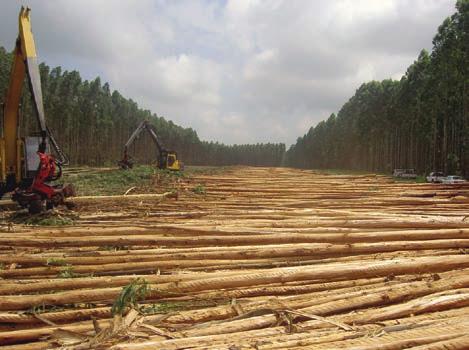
(420, 122)
(91, 124)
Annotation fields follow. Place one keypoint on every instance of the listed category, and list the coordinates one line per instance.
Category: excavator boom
(25, 166)
(24, 64)
(144, 125)
(166, 159)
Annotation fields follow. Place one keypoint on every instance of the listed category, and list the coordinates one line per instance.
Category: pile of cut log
(266, 258)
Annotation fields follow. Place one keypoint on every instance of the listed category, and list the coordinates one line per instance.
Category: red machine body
(46, 172)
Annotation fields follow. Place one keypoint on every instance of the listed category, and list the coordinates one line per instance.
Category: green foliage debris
(130, 295)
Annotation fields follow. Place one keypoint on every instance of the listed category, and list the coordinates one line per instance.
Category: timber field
(242, 258)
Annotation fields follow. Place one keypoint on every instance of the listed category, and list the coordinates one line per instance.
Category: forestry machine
(26, 166)
(166, 159)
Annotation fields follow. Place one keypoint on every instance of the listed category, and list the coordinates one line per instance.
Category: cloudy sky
(237, 71)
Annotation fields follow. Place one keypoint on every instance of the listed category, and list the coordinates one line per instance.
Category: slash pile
(257, 258)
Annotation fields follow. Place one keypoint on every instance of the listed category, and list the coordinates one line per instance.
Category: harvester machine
(166, 159)
(27, 168)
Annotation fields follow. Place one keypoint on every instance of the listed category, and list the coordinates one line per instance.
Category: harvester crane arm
(144, 125)
(166, 159)
(24, 63)
(134, 135)
(16, 155)
(155, 138)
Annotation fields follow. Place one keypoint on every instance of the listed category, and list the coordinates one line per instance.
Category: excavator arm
(24, 64)
(155, 138)
(144, 125)
(166, 159)
(17, 153)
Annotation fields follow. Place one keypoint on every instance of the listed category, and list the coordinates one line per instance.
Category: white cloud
(235, 71)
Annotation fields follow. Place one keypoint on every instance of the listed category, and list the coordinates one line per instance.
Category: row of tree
(421, 121)
(91, 124)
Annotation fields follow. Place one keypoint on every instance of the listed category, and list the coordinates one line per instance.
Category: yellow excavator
(166, 159)
(27, 167)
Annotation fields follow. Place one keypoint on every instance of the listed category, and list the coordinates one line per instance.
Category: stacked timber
(268, 258)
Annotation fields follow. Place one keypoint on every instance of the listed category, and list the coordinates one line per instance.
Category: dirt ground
(247, 258)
